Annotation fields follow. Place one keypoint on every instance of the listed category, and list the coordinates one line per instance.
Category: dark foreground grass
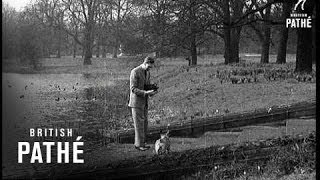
(294, 161)
(290, 157)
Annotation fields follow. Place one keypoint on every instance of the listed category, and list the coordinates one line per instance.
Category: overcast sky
(17, 4)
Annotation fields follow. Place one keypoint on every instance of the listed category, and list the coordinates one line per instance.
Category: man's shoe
(141, 148)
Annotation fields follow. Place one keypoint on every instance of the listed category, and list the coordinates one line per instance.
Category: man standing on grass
(139, 78)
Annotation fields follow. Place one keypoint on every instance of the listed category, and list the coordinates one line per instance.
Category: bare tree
(119, 11)
(9, 31)
(304, 44)
(282, 48)
(267, 35)
(100, 32)
(32, 38)
(190, 26)
(189, 23)
(85, 12)
(231, 34)
(263, 31)
(156, 15)
(74, 28)
(227, 17)
(62, 14)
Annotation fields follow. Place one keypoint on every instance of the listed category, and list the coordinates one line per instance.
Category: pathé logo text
(299, 20)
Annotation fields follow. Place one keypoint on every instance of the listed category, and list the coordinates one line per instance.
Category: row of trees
(163, 26)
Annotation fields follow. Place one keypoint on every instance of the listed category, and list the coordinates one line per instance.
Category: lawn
(184, 91)
(196, 91)
(100, 101)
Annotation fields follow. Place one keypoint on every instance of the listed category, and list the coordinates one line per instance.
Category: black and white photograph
(159, 89)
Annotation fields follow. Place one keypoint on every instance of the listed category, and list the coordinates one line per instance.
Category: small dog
(162, 145)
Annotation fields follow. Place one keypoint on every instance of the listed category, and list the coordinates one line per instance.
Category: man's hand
(151, 92)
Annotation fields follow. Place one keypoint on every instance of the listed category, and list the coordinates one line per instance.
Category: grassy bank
(187, 92)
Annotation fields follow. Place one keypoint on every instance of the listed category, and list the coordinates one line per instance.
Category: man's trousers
(140, 119)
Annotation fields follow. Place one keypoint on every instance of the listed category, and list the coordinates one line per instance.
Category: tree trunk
(282, 48)
(235, 40)
(227, 32)
(237, 7)
(231, 35)
(304, 44)
(231, 52)
(59, 46)
(74, 49)
(227, 46)
(193, 50)
(89, 35)
(265, 47)
(59, 38)
(88, 45)
(304, 50)
(266, 37)
(98, 49)
(159, 38)
(87, 55)
(82, 54)
(87, 49)
(159, 47)
(115, 50)
(104, 51)
(58, 55)
(193, 44)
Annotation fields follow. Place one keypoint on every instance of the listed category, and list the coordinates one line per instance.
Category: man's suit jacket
(138, 79)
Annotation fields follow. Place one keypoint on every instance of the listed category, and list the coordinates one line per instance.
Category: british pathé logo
(299, 20)
(297, 4)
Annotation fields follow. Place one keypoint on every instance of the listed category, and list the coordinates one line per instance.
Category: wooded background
(170, 28)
